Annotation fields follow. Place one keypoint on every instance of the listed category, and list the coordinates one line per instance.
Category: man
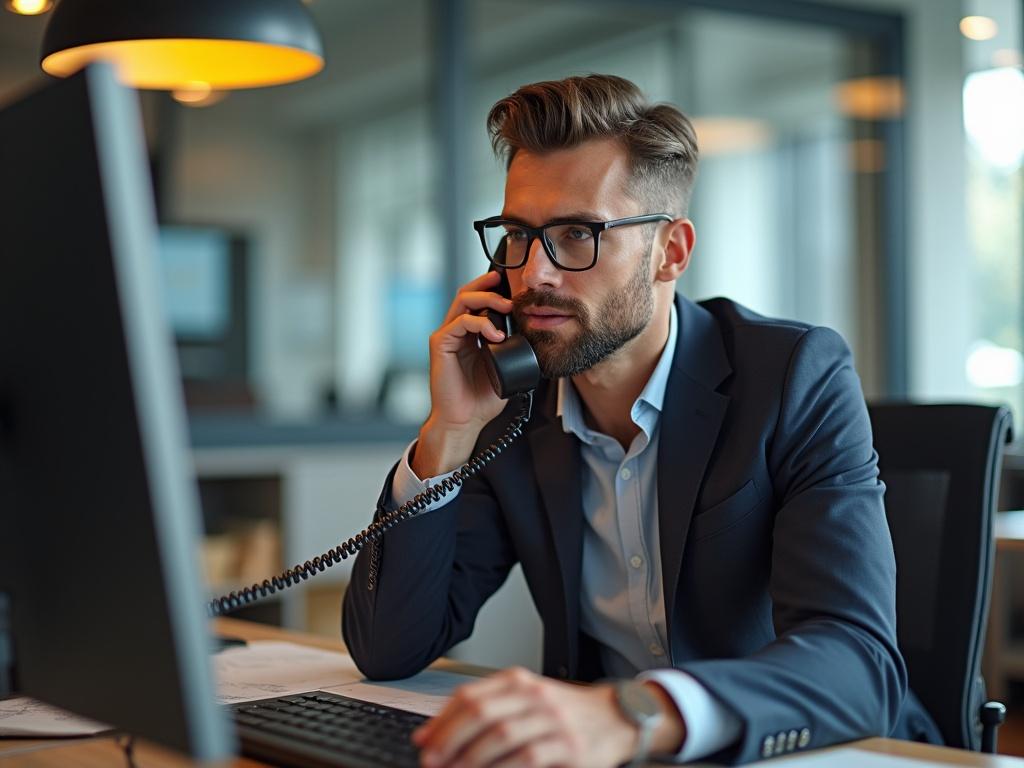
(695, 501)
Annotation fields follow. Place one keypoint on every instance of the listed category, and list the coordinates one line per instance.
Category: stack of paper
(24, 717)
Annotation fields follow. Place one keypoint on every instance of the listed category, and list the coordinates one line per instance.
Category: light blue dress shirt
(622, 603)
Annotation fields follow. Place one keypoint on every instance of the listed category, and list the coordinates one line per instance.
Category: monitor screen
(195, 281)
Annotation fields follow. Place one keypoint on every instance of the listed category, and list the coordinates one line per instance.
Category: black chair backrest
(940, 465)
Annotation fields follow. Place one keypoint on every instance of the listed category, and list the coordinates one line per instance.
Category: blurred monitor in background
(204, 283)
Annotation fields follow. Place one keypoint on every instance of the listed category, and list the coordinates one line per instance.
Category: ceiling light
(728, 135)
(28, 7)
(870, 98)
(978, 27)
(168, 44)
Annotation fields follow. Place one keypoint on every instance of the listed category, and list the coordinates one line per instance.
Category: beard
(619, 319)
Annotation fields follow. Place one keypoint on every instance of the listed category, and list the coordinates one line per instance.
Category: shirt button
(636, 561)
(656, 649)
(625, 474)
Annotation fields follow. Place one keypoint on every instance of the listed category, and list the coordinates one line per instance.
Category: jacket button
(780, 742)
(768, 746)
(791, 738)
(563, 672)
(804, 738)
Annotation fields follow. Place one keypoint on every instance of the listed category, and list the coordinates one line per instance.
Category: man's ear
(678, 240)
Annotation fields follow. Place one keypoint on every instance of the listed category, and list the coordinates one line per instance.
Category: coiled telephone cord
(235, 600)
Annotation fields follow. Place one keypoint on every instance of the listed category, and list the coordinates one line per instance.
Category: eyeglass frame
(537, 233)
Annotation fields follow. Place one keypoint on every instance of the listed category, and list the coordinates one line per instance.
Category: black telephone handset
(511, 364)
(514, 372)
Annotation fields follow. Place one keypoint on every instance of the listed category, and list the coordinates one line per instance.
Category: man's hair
(562, 114)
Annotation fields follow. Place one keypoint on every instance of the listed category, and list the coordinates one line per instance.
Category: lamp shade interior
(160, 44)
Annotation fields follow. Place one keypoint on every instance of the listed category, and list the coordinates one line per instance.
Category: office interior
(861, 168)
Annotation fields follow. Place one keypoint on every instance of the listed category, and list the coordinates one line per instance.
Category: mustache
(531, 298)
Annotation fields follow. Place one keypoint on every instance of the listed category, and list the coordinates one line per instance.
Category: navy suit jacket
(777, 565)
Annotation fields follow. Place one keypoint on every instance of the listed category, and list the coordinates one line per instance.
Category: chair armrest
(992, 714)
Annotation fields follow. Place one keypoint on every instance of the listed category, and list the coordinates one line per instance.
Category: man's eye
(515, 235)
(578, 233)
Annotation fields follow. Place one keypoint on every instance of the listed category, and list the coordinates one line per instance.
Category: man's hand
(517, 718)
(462, 400)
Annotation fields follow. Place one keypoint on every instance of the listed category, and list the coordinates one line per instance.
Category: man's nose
(539, 271)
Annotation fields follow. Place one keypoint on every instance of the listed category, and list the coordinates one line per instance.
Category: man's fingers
(541, 752)
(491, 684)
(477, 703)
(467, 720)
(474, 301)
(450, 338)
(506, 737)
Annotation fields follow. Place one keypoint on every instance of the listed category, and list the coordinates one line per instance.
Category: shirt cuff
(710, 725)
(405, 484)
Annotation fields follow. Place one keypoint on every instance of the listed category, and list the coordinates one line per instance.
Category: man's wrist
(666, 735)
(670, 733)
(627, 733)
(439, 450)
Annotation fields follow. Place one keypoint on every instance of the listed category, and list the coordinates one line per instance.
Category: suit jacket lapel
(692, 415)
(556, 465)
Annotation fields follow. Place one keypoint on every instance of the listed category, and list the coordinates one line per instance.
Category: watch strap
(640, 707)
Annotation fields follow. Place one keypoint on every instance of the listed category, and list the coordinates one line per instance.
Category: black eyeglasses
(571, 245)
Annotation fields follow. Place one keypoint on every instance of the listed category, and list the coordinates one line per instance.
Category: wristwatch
(641, 707)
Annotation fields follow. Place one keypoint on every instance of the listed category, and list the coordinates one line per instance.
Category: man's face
(574, 320)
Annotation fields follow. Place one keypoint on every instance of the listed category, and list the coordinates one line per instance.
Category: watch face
(638, 700)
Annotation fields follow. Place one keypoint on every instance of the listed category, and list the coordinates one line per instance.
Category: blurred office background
(861, 169)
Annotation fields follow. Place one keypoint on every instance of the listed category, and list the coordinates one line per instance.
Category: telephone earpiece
(511, 364)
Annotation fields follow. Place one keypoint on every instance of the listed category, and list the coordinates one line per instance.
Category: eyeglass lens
(572, 246)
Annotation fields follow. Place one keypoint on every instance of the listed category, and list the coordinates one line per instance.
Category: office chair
(940, 465)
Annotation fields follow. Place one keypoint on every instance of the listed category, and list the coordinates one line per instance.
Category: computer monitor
(99, 518)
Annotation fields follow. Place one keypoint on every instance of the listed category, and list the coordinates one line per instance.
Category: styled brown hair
(562, 114)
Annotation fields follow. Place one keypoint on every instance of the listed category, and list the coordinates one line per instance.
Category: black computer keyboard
(324, 729)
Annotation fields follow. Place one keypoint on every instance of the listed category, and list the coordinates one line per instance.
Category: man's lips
(545, 312)
(545, 317)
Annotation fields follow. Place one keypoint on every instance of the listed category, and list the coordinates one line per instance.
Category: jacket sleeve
(833, 673)
(417, 593)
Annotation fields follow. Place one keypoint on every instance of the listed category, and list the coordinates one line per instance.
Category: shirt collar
(570, 409)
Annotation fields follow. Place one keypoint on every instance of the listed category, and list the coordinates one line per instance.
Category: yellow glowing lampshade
(173, 44)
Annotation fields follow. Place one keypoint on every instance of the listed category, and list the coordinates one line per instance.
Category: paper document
(425, 693)
(264, 669)
(21, 716)
(260, 670)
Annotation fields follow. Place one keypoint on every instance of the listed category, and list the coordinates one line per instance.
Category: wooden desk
(103, 752)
